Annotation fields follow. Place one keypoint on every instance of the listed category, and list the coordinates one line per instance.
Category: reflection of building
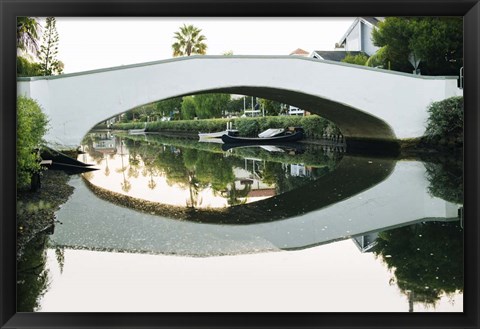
(105, 143)
(366, 242)
(293, 110)
(250, 176)
(300, 170)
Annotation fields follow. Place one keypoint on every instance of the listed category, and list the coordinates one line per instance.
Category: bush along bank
(444, 132)
(315, 127)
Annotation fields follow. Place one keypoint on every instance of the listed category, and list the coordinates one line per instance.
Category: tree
(28, 30)
(211, 105)
(31, 127)
(360, 59)
(188, 108)
(189, 41)
(270, 107)
(49, 49)
(26, 68)
(436, 41)
(168, 107)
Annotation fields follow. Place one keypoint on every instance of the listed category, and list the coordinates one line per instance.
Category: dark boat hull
(263, 141)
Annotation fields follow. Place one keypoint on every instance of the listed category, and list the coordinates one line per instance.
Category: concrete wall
(364, 102)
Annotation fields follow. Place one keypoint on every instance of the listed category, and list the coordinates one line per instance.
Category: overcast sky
(92, 43)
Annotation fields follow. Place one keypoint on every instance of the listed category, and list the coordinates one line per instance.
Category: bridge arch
(363, 102)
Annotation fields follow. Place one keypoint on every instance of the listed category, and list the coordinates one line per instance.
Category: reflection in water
(394, 224)
(187, 176)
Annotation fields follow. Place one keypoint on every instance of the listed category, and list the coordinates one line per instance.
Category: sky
(94, 43)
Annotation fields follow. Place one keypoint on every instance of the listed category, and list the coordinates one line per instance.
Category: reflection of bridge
(398, 200)
(363, 102)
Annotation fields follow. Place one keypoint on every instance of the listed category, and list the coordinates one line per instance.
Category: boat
(136, 131)
(215, 136)
(56, 160)
(290, 135)
(287, 148)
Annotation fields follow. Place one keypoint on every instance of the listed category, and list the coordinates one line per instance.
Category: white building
(356, 40)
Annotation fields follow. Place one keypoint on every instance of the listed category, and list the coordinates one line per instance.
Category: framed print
(239, 164)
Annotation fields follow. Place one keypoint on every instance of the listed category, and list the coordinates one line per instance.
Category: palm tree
(28, 30)
(189, 41)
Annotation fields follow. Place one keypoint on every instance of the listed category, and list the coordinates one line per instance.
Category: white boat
(210, 137)
(137, 131)
(272, 132)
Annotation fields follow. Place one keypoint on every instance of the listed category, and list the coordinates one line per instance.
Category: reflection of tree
(60, 253)
(427, 259)
(446, 180)
(32, 277)
(126, 185)
(234, 196)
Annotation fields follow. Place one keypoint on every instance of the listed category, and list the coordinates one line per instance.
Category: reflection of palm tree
(107, 169)
(126, 186)
(193, 188)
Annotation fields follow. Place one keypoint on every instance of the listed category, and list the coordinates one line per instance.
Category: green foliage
(437, 41)
(31, 127)
(379, 59)
(360, 59)
(188, 110)
(427, 258)
(168, 107)
(313, 125)
(271, 107)
(210, 105)
(27, 34)
(445, 119)
(189, 41)
(26, 68)
(49, 49)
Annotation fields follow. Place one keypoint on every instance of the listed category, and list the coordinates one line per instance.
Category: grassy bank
(315, 127)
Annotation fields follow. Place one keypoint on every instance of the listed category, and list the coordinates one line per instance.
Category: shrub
(31, 127)
(313, 125)
(445, 119)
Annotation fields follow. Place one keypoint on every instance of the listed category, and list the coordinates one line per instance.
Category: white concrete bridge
(364, 102)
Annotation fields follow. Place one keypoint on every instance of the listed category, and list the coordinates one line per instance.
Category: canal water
(167, 225)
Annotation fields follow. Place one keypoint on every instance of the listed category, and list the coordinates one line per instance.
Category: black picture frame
(10, 9)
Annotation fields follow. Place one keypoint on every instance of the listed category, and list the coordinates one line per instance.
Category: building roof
(334, 55)
(300, 52)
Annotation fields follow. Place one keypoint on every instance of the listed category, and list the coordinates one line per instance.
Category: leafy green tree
(436, 41)
(31, 127)
(28, 29)
(49, 49)
(359, 59)
(26, 68)
(445, 119)
(168, 107)
(270, 107)
(189, 40)
(188, 111)
(211, 105)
